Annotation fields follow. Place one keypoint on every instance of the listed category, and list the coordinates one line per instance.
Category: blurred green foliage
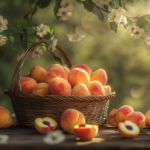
(125, 59)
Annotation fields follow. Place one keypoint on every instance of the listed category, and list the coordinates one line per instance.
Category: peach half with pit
(86, 132)
(128, 129)
(45, 125)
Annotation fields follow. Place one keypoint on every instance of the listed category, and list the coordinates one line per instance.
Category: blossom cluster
(101, 2)
(65, 11)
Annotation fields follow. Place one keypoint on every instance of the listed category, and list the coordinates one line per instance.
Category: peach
(8, 124)
(48, 77)
(122, 112)
(147, 118)
(45, 125)
(107, 89)
(41, 85)
(99, 75)
(5, 116)
(78, 76)
(71, 117)
(82, 66)
(86, 132)
(55, 65)
(59, 86)
(67, 70)
(80, 89)
(96, 88)
(136, 117)
(28, 85)
(38, 73)
(128, 129)
(40, 92)
(111, 118)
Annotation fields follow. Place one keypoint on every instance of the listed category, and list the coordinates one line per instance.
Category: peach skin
(59, 86)
(40, 92)
(55, 65)
(82, 66)
(107, 89)
(38, 73)
(28, 85)
(96, 88)
(71, 117)
(111, 118)
(67, 70)
(80, 89)
(86, 132)
(136, 117)
(99, 75)
(78, 76)
(45, 125)
(39, 86)
(128, 129)
(48, 77)
(122, 112)
(147, 117)
(8, 124)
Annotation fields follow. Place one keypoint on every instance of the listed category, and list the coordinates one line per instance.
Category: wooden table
(24, 138)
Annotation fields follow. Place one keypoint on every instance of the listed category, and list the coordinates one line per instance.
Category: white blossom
(3, 40)
(131, 29)
(42, 30)
(37, 52)
(3, 23)
(64, 14)
(54, 45)
(55, 137)
(3, 139)
(147, 41)
(67, 4)
(122, 22)
(137, 33)
(72, 38)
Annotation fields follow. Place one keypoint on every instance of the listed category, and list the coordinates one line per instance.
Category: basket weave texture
(28, 107)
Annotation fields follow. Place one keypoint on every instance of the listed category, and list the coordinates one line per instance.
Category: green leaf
(98, 12)
(50, 42)
(31, 30)
(34, 10)
(1, 52)
(57, 58)
(48, 29)
(143, 21)
(116, 3)
(106, 7)
(113, 26)
(31, 1)
(88, 5)
(43, 3)
(57, 6)
(122, 4)
(129, 22)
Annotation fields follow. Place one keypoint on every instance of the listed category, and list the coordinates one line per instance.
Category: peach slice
(147, 117)
(111, 118)
(45, 125)
(86, 132)
(128, 129)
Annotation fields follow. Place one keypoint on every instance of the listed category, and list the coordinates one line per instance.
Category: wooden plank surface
(24, 138)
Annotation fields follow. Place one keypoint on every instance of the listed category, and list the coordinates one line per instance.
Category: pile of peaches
(60, 80)
(128, 121)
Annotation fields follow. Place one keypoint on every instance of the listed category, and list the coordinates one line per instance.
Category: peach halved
(86, 132)
(45, 125)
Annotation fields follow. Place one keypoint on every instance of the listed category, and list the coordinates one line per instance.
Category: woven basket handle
(20, 64)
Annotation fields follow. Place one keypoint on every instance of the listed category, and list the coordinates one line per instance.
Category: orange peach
(78, 76)
(136, 117)
(59, 86)
(41, 85)
(40, 92)
(38, 73)
(4, 116)
(80, 89)
(96, 88)
(86, 132)
(99, 75)
(70, 118)
(82, 66)
(67, 70)
(147, 117)
(48, 77)
(8, 124)
(107, 89)
(122, 112)
(55, 65)
(28, 84)
(128, 129)
(111, 118)
(45, 125)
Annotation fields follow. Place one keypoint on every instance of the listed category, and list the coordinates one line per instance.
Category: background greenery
(125, 59)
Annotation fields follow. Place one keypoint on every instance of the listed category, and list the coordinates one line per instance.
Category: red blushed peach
(122, 112)
(147, 118)
(136, 117)
(128, 129)
(96, 88)
(70, 118)
(78, 76)
(28, 85)
(67, 70)
(59, 86)
(8, 124)
(45, 125)
(111, 118)
(55, 65)
(48, 77)
(107, 89)
(82, 66)
(80, 89)
(99, 75)
(86, 132)
(38, 73)
(4, 116)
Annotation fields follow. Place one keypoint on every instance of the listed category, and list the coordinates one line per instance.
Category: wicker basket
(28, 107)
